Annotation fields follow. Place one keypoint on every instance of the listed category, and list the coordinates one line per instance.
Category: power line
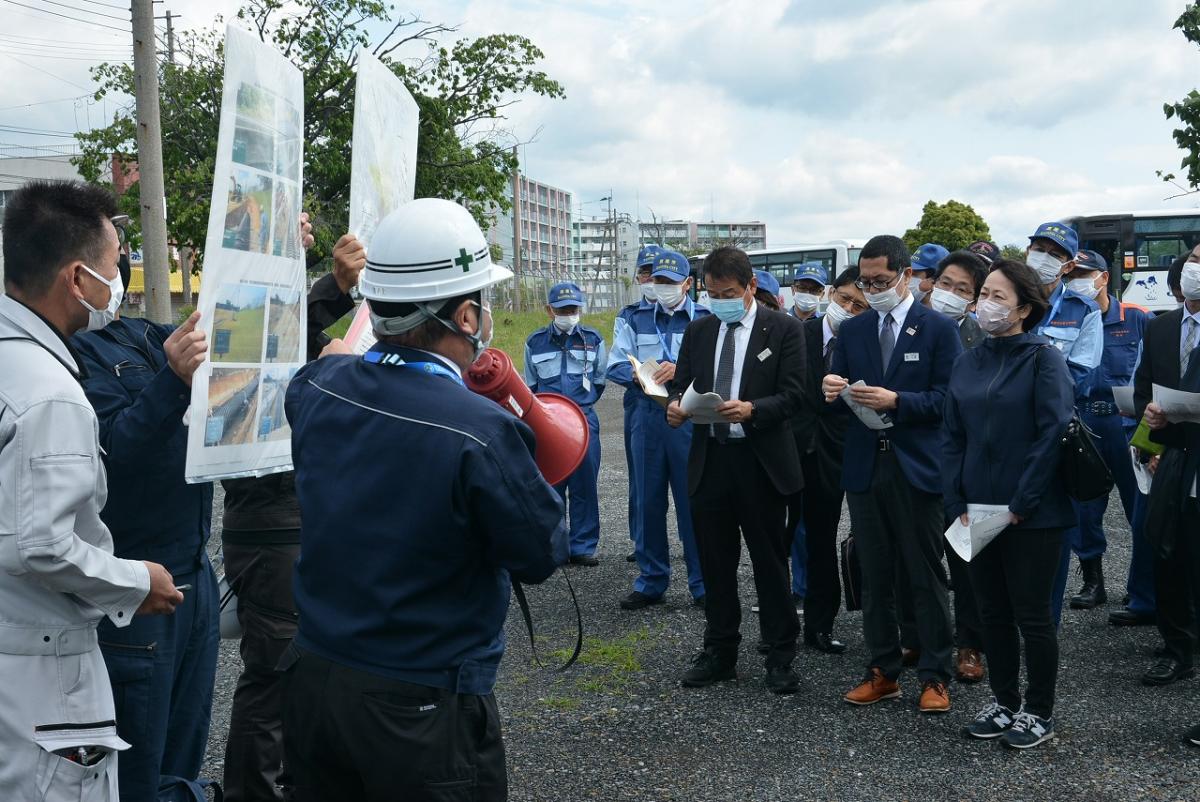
(83, 10)
(46, 72)
(88, 59)
(64, 16)
(64, 46)
(52, 42)
(106, 5)
(42, 102)
(17, 47)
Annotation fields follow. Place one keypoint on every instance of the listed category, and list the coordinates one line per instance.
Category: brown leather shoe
(909, 657)
(934, 697)
(969, 665)
(875, 687)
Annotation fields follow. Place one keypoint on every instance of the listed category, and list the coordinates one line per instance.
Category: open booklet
(870, 418)
(644, 373)
(701, 406)
(986, 521)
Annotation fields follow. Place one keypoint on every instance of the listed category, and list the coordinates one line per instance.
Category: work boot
(1092, 593)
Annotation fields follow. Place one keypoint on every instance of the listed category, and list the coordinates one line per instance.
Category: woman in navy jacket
(1008, 403)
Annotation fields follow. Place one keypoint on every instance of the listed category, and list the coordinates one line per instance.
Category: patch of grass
(608, 664)
(562, 702)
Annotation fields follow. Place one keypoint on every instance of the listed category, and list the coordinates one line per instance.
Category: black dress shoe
(631, 557)
(1192, 736)
(584, 559)
(698, 601)
(1166, 671)
(782, 679)
(638, 600)
(707, 668)
(823, 642)
(763, 648)
(1128, 618)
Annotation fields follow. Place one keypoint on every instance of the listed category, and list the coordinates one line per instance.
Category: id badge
(587, 384)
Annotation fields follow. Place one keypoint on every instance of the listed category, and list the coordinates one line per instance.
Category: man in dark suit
(820, 434)
(1171, 358)
(742, 469)
(903, 352)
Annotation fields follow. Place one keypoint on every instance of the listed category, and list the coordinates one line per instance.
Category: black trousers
(736, 500)
(349, 735)
(820, 506)
(896, 524)
(1177, 587)
(1013, 578)
(261, 577)
(968, 627)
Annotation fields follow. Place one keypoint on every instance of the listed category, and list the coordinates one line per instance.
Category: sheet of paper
(876, 421)
(986, 521)
(1180, 407)
(252, 292)
(1141, 472)
(644, 371)
(701, 406)
(1123, 396)
(361, 335)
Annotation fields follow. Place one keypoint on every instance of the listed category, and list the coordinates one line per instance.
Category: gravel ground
(619, 727)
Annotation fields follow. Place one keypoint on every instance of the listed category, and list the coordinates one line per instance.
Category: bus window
(1160, 252)
(852, 256)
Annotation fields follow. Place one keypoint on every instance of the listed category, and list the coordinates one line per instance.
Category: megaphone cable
(523, 603)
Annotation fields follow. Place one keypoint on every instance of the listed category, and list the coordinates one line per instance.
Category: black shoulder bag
(1083, 472)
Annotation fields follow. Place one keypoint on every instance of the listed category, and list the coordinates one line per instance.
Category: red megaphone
(557, 421)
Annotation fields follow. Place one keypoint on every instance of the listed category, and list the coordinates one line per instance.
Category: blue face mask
(729, 310)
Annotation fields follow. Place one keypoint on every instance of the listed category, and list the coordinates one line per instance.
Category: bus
(835, 255)
(1140, 247)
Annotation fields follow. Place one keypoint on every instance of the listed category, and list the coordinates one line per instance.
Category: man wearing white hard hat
(390, 675)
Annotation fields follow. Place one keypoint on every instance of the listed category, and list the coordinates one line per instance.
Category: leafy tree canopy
(952, 225)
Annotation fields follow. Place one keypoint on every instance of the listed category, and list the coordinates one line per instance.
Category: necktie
(724, 383)
(887, 341)
(829, 353)
(1189, 344)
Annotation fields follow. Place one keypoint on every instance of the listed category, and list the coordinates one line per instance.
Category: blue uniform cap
(1060, 234)
(565, 294)
(672, 265)
(929, 256)
(647, 254)
(1090, 260)
(767, 282)
(812, 271)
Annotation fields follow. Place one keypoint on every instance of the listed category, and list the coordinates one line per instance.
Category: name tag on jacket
(912, 357)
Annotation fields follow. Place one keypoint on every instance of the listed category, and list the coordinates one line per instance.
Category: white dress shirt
(741, 341)
(898, 315)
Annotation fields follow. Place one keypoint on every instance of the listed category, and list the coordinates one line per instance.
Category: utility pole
(516, 223)
(170, 41)
(150, 166)
(185, 253)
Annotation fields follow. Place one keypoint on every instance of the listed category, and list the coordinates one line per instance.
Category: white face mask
(914, 286)
(994, 317)
(884, 302)
(948, 303)
(1047, 267)
(836, 316)
(1189, 281)
(669, 295)
(99, 318)
(565, 323)
(648, 291)
(805, 302)
(1084, 286)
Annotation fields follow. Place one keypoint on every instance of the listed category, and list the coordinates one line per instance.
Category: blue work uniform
(574, 364)
(659, 451)
(628, 404)
(161, 667)
(1123, 326)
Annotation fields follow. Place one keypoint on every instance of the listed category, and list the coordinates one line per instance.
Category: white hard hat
(428, 250)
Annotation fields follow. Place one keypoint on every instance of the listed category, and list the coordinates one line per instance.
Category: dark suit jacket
(1160, 365)
(819, 427)
(774, 383)
(919, 372)
(970, 334)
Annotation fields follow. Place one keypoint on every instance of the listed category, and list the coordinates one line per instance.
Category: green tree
(1187, 113)
(951, 224)
(464, 150)
(1013, 251)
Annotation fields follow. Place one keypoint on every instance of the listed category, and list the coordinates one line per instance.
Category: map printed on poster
(383, 163)
(252, 290)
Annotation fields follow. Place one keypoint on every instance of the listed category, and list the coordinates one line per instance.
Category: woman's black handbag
(851, 575)
(1083, 471)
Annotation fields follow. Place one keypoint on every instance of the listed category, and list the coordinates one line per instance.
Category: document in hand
(986, 521)
(1141, 472)
(1180, 407)
(1124, 398)
(870, 418)
(701, 406)
(644, 371)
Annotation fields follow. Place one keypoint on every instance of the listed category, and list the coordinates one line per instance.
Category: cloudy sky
(824, 119)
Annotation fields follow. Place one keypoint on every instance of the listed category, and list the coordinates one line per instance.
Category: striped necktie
(724, 383)
(1189, 344)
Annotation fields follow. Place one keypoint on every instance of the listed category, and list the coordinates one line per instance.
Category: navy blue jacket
(919, 372)
(1009, 402)
(139, 401)
(418, 500)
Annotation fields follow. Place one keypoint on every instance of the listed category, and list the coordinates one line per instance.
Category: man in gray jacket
(58, 576)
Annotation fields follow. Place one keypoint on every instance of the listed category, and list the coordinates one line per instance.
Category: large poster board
(383, 162)
(253, 291)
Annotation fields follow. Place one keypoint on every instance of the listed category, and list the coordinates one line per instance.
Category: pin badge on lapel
(911, 330)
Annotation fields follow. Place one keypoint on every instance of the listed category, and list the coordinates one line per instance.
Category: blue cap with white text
(812, 271)
(1090, 260)
(1060, 234)
(928, 257)
(565, 294)
(672, 265)
(646, 254)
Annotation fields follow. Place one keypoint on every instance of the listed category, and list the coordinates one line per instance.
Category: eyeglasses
(841, 298)
(877, 285)
(120, 221)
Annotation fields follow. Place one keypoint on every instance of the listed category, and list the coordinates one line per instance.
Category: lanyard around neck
(396, 361)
